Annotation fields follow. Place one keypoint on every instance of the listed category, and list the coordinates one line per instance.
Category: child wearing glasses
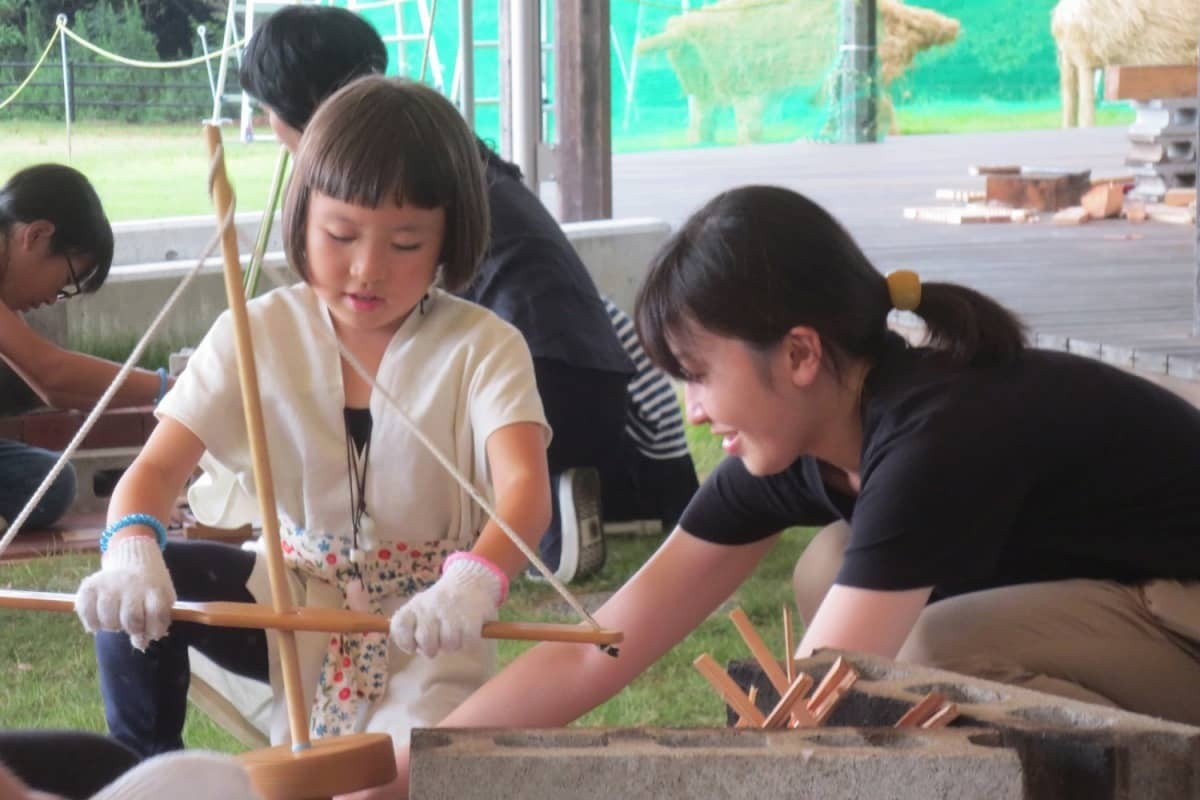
(55, 243)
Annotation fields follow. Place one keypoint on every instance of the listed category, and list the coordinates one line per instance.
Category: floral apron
(355, 669)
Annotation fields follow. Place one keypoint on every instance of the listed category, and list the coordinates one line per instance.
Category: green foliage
(103, 89)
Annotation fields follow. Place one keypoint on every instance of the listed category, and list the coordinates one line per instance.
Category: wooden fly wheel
(793, 710)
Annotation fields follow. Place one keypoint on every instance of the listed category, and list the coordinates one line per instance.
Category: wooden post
(583, 102)
(860, 87)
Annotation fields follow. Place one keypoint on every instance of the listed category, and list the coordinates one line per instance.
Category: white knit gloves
(183, 775)
(450, 614)
(132, 592)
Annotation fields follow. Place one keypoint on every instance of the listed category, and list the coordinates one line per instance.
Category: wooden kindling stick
(760, 651)
(707, 666)
(742, 722)
(789, 645)
(833, 688)
(787, 709)
(931, 711)
(329, 620)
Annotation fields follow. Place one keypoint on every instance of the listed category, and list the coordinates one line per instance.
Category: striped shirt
(652, 416)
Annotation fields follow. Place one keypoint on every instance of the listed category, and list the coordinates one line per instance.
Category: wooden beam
(583, 106)
(1149, 83)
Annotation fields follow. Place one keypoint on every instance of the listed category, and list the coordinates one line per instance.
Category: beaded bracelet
(162, 384)
(160, 532)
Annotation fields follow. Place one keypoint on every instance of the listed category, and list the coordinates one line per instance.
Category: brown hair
(381, 138)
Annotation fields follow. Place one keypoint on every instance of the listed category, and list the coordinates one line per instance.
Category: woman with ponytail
(1020, 515)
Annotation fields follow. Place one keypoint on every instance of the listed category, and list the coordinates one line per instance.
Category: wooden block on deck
(1042, 191)
(1180, 197)
(1075, 215)
(964, 215)
(1150, 82)
(1103, 200)
(1161, 212)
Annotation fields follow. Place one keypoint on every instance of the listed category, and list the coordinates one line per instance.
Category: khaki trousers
(1132, 647)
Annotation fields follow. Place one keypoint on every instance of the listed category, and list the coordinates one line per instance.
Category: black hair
(65, 198)
(381, 138)
(494, 160)
(302, 54)
(756, 261)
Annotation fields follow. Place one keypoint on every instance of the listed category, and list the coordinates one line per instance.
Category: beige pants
(1133, 647)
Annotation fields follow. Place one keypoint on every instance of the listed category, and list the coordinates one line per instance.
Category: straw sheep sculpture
(1091, 34)
(742, 53)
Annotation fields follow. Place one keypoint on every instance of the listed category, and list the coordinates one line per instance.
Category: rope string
(133, 62)
(32, 72)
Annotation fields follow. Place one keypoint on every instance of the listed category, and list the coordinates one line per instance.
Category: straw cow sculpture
(1091, 34)
(744, 53)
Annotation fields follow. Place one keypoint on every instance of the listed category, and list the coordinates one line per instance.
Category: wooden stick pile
(932, 711)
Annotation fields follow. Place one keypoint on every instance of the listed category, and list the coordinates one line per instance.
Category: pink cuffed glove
(450, 614)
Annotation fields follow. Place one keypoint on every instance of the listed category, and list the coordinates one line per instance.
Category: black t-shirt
(1051, 467)
(533, 278)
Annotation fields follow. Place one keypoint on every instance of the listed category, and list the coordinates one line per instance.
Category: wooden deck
(1118, 290)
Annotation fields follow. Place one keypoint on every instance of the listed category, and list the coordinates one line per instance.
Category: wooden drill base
(331, 766)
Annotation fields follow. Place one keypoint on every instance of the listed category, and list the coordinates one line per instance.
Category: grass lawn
(50, 671)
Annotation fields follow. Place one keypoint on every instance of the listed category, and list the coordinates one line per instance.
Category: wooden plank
(1149, 82)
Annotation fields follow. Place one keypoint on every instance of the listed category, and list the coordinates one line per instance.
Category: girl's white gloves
(183, 775)
(450, 614)
(132, 592)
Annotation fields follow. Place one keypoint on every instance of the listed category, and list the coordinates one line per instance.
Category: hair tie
(904, 287)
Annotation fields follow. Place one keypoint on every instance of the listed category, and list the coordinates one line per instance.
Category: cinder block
(1067, 748)
(696, 764)
(93, 494)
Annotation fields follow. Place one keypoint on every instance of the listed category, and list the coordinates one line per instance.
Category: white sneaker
(580, 524)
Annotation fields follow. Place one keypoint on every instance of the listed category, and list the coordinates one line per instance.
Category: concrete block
(93, 485)
(572, 764)
(1067, 748)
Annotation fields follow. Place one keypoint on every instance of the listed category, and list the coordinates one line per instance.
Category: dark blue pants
(22, 470)
(145, 694)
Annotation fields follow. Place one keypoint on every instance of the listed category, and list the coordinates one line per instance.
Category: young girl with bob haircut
(385, 214)
(1021, 515)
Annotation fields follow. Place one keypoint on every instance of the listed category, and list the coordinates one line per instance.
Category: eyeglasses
(67, 292)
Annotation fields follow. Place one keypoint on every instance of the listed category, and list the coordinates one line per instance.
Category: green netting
(768, 70)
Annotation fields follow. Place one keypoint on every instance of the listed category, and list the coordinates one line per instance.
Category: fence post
(71, 104)
(68, 112)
